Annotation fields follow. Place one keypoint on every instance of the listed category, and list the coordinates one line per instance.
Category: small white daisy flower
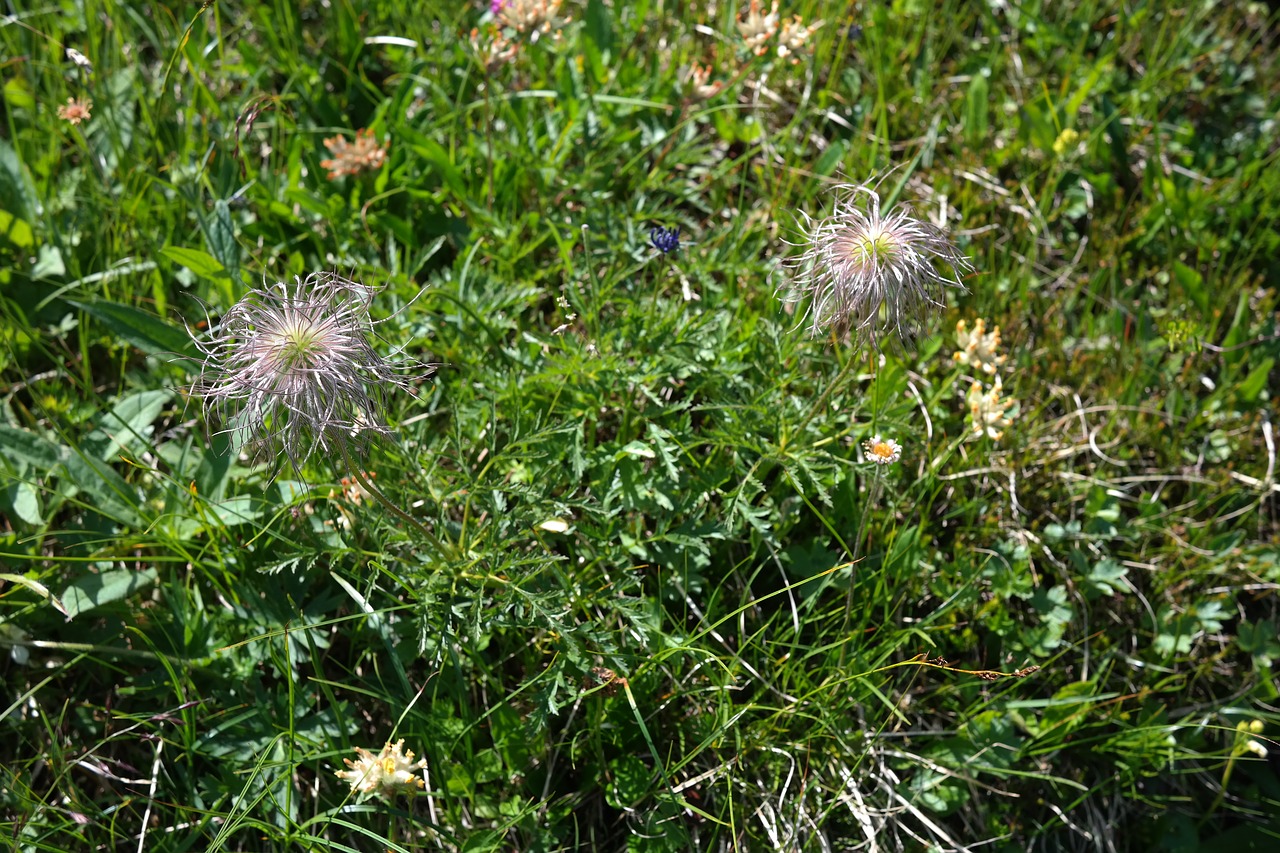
(882, 451)
(386, 774)
(873, 271)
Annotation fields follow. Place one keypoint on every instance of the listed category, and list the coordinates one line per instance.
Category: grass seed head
(870, 270)
(290, 369)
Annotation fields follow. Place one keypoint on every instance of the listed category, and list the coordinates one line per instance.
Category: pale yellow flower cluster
(533, 18)
(758, 29)
(989, 412)
(386, 774)
(75, 111)
(978, 347)
(352, 158)
(696, 82)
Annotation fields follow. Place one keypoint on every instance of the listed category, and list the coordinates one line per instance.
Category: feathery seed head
(872, 271)
(289, 369)
(757, 27)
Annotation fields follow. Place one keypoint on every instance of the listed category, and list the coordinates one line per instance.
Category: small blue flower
(665, 240)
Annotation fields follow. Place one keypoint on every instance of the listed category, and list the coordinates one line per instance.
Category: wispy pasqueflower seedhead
(386, 774)
(290, 369)
(989, 413)
(352, 158)
(882, 451)
(977, 347)
(871, 270)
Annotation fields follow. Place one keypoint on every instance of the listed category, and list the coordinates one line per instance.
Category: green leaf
(220, 236)
(147, 332)
(1107, 577)
(628, 783)
(831, 158)
(111, 495)
(24, 502)
(1193, 284)
(599, 25)
(128, 425)
(96, 589)
(26, 448)
(1252, 385)
(977, 109)
(15, 187)
(200, 263)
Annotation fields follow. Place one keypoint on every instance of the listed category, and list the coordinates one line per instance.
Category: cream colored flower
(386, 774)
(74, 112)
(352, 158)
(882, 451)
(1066, 141)
(977, 347)
(988, 413)
(758, 28)
(793, 37)
(493, 48)
(534, 18)
(696, 82)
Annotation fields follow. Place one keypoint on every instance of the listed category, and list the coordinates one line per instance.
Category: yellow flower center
(882, 450)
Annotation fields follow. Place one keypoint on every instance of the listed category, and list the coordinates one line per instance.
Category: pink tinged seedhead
(872, 271)
(290, 369)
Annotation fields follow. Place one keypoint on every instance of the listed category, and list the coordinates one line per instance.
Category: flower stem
(876, 485)
(367, 484)
(821, 402)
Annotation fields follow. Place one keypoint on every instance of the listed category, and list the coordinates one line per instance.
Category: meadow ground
(626, 568)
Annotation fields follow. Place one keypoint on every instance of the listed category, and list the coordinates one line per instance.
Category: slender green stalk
(825, 396)
(444, 548)
(877, 485)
